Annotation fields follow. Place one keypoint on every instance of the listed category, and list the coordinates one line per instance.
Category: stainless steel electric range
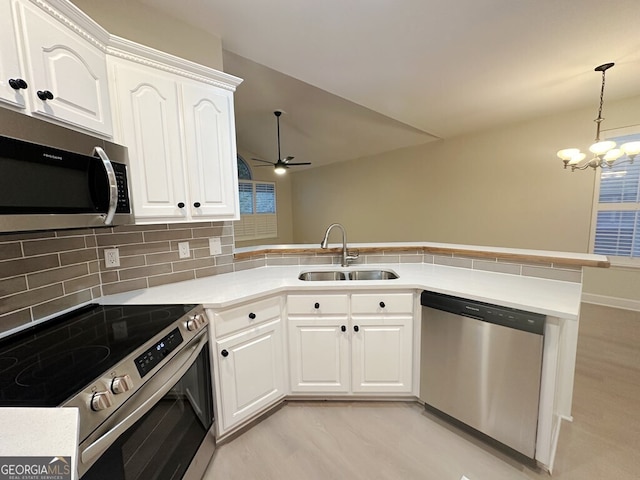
(140, 377)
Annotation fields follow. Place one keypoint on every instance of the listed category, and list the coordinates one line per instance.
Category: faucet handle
(352, 254)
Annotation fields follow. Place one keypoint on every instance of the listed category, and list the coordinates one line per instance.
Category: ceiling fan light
(280, 170)
(600, 148)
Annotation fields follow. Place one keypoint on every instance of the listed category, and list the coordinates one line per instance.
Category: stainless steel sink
(333, 275)
(319, 276)
(373, 275)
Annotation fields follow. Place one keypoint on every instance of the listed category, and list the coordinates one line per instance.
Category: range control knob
(101, 401)
(195, 322)
(121, 384)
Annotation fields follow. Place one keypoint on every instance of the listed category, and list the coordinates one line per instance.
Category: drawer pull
(382, 305)
(316, 305)
(45, 95)
(252, 316)
(17, 83)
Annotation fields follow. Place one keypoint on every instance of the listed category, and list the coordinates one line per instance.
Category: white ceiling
(360, 77)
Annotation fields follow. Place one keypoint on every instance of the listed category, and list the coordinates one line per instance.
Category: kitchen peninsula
(266, 284)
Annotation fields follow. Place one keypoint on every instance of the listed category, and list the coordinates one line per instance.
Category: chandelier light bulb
(568, 153)
(631, 148)
(601, 148)
(577, 158)
(612, 155)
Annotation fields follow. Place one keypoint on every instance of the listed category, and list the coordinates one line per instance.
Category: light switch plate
(112, 257)
(215, 246)
(183, 250)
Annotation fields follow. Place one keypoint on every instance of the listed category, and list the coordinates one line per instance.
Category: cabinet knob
(181, 205)
(252, 316)
(382, 305)
(224, 353)
(196, 204)
(343, 328)
(316, 305)
(44, 95)
(356, 328)
(17, 83)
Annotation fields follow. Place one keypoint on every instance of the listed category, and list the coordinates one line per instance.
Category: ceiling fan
(281, 165)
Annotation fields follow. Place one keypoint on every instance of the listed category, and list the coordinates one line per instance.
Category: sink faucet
(346, 257)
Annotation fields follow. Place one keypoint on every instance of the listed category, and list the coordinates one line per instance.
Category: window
(617, 210)
(258, 217)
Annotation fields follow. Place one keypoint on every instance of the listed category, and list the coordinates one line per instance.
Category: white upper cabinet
(12, 82)
(148, 124)
(64, 68)
(181, 138)
(211, 151)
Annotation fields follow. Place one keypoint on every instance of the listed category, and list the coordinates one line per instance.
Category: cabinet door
(9, 60)
(319, 355)
(251, 372)
(68, 66)
(211, 152)
(148, 124)
(382, 354)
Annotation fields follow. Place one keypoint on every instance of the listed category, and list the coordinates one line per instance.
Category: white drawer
(366, 303)
(318, 304)
(245, 316)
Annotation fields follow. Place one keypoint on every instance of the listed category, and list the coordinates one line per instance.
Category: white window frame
(257, 226)
(628, 262)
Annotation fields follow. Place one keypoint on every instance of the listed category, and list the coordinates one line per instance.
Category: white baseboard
(615, 302)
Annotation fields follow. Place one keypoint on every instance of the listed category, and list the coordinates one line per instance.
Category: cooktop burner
(46, 364)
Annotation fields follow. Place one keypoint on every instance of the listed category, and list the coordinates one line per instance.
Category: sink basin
(333, 275)
(373, 275)
(326, 276)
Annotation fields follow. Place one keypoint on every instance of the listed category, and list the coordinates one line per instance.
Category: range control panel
(155, 354)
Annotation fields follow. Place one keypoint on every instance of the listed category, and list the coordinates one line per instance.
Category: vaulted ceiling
(360, 77)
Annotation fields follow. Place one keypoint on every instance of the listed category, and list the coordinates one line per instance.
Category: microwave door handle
(98, 447)
(113, 184)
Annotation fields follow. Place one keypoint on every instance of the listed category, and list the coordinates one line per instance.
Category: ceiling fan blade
(258, 166)
(288, 159)
(301, 163)
(260, 160)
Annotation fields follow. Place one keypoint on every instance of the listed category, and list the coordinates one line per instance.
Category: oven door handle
(105, 441)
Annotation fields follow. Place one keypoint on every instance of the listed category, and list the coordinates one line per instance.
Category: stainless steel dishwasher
(481, 364)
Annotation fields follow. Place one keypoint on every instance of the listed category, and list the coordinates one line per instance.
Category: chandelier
(605, 153)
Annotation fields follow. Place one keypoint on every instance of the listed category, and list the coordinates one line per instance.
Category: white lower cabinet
(249, 361)
(360, 343)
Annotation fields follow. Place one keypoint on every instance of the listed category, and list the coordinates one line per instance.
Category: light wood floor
(401, 441)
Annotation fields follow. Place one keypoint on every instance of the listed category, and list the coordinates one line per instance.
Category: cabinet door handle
(382, 305)
(252, 316)
(196, 204)
(316, 305)
(343, 328)
(224, 353)
(44, 95)
(356, 328)
(181, 205)
(17, 84)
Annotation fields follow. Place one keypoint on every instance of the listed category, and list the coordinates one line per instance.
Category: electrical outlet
(215, 246)
(112, 257)
(183, 250)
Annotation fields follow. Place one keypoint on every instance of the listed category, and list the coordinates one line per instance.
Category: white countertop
(548, 297)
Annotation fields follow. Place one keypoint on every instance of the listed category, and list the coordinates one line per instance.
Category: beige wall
(151, 27)
(283, 201)
(502, 187)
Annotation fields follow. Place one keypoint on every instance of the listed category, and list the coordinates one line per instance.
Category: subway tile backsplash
(43, 273)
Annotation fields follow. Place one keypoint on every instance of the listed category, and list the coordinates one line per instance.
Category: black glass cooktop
(46, 364)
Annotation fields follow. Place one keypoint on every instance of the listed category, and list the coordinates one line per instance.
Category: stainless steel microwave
(54, 178)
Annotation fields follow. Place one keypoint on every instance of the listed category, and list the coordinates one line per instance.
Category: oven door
(165, 431)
